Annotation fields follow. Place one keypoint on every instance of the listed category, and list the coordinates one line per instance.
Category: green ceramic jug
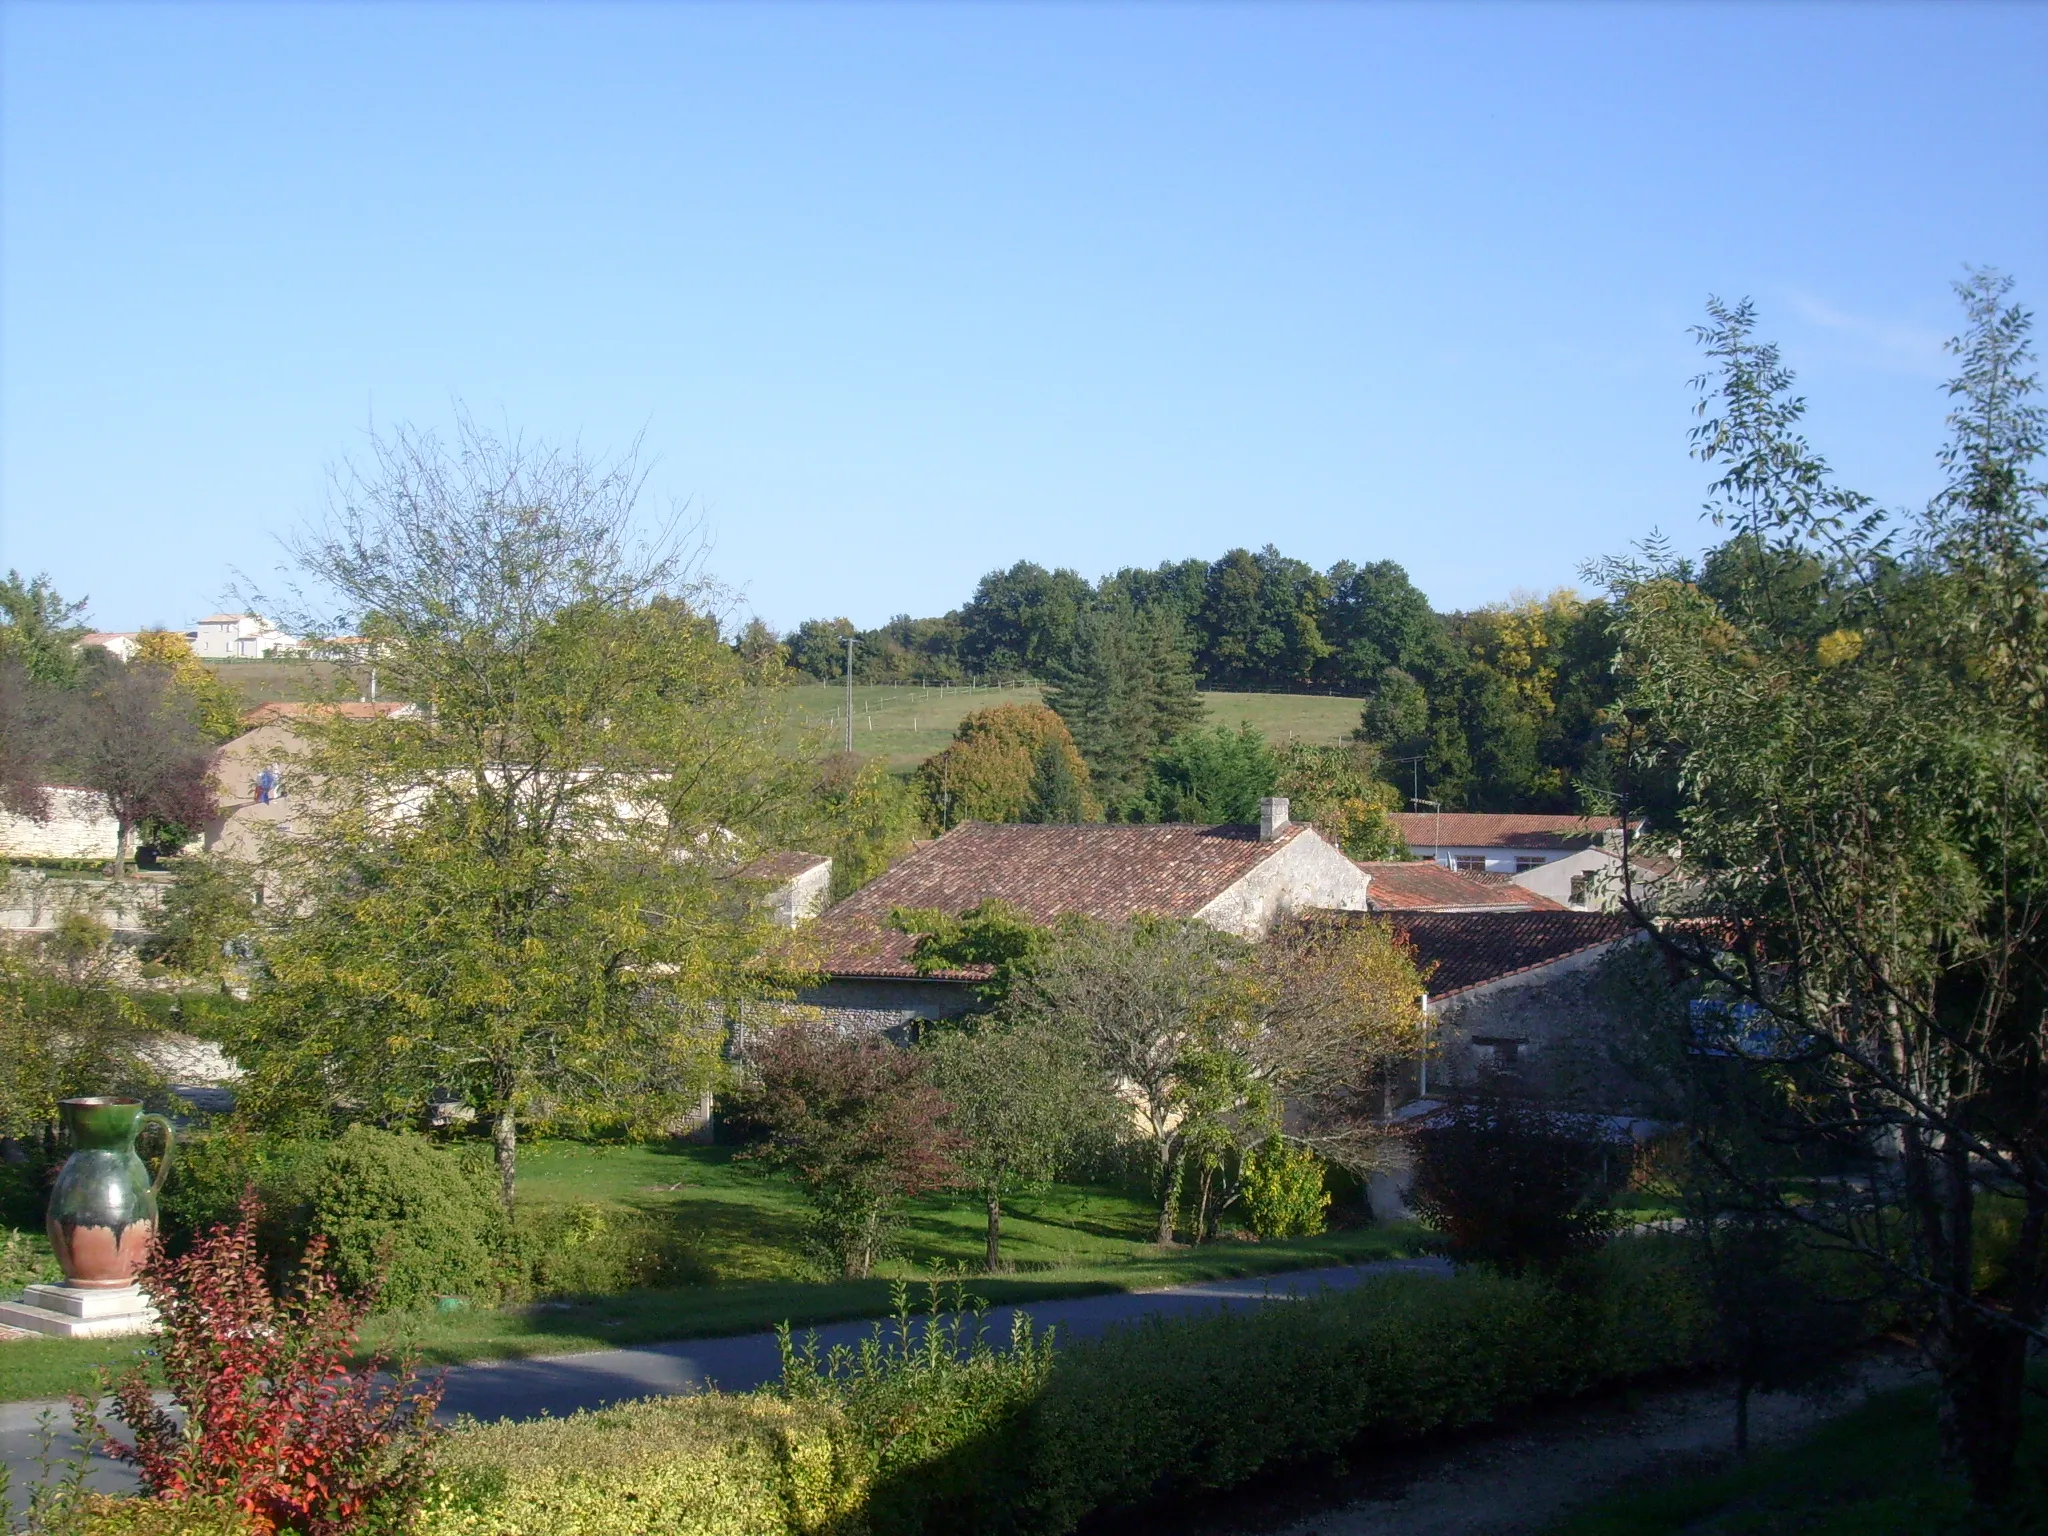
(103, 1208)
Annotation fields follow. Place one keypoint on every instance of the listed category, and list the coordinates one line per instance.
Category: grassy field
(1873, 1472)
(297, 682)
(904, 726)
(742, 1227)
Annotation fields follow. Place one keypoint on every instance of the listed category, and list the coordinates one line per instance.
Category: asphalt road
(559, 1384)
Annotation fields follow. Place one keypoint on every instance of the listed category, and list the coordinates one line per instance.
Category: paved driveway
(559, 1384)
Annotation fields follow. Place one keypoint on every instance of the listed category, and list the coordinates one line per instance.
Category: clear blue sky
(900, 294)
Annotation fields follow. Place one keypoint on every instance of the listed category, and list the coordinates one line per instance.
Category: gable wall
(1303, 874)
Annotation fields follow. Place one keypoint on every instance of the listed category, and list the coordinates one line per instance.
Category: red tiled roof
(1423, 885)
(784, 864)
(1472, 829)
(1470, 949)
(1107, 872)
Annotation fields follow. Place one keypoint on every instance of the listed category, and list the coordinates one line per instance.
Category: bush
(706, 1466)
(1283, 1191)
(923, 1431)
(588, 1250)
(270, 1416)
(216, 1168)
(1512, 1186)
(160, 1517)
(409, 1220)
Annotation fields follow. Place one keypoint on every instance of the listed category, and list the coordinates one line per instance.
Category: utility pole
(1436, 852)
(849, 693)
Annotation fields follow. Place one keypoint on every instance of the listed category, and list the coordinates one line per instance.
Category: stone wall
(32, 900)
(79, 828)
(1306, 874)
(893, 1008)
(1551, 1032)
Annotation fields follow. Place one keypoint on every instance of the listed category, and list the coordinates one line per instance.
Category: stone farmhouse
(1241, 879)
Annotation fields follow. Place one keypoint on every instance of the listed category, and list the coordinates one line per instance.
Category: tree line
(1499, 708)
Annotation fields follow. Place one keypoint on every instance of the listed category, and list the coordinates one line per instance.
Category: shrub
(707, 1466)
(271, 1418)
(217, 1168)
(860, 1129)
(1283, 1194)
(408, 1219)
(1512, 1186)
(159, 1517)
(585, 1250)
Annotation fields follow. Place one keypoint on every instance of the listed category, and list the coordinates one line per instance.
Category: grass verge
(1875, 1471)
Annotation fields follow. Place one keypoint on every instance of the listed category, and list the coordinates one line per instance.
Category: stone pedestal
(70, 1312)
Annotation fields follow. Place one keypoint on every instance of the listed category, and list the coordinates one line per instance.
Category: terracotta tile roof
(1470, 829)
(1423, 885)
(784, 864)
(1109, 872)
(382, 709)
(1470, 949)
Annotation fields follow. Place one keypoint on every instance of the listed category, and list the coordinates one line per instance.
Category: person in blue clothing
(266, 781)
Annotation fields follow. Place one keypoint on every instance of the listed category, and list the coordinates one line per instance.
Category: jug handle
(163, 1162)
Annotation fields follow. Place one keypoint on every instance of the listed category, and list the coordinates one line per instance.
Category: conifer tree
(1127, 690)
(1058, 793)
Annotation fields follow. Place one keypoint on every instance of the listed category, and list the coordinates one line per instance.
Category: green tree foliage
(1126, 690)
(1260, 621)
(39, 629)
(992, 933)
(60, 1037)
(818, 648)
(1512, 1185)
(859, 1127)
(1284, 1190)
(1375, 618)
(1338, 790)
(206, 920)
(989, 770)
(1059, 787)
(1023, 1098)
(1213, 776)
(215, 708)
(862, 815)
(508, 898)
(1868, 809)
(1022, 621)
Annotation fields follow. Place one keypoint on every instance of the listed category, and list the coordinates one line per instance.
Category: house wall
(801, 899)
(879, 1007)
(79, 828)
(1306, 873)
(1555, 878)
(1498, 860)
(1564, 1026)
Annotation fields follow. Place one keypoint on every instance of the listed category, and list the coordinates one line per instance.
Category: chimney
(1272, 817)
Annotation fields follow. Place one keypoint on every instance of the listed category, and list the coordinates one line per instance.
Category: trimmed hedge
(694, 1466)
(1150, 1412)
(105, 1516)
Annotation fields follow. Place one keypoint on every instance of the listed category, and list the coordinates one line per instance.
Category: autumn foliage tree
(996, 757)
(859, 1126)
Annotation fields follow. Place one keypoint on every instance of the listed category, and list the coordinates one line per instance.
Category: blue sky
(900, 294)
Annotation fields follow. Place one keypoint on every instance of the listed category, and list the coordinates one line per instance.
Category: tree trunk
(1202, 1233)
(505, 1143)
(1170, 1173)
(124, 849)
(995, 1233)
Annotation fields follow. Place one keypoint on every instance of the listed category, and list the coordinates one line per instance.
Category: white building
(232, 636)
(1475, 843)
(121, 645)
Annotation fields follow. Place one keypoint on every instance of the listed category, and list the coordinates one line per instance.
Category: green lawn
(1873, 1472)
(904, 726)
(742, 1228)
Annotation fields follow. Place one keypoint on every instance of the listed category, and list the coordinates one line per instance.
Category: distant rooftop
(1487, 829)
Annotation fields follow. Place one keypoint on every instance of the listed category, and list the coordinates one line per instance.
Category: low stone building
(1241, 879)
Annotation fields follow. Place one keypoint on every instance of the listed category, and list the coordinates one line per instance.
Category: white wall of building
(80, 827)
(1303, 875)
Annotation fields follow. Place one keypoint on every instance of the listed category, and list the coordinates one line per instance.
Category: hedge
(714, 1465)
(1153, 1411)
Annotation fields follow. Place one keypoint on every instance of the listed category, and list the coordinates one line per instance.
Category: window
(1582, 889)
(1469, 863)
(1497, 1053)
(1524, 862)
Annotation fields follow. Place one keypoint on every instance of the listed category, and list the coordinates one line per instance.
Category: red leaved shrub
(859, 1127)
(272, 1416)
